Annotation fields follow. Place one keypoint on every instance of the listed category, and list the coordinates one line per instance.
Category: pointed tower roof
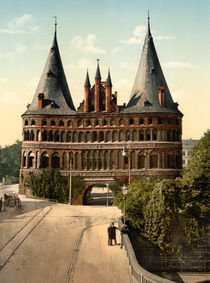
(87, 80)
(98, 74)
(149, 77)
(108, 80)
(53, 84)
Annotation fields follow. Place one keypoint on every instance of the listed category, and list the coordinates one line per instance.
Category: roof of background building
(53, 84)
(144, 95)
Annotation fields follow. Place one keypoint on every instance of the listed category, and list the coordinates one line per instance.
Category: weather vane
(55, 22)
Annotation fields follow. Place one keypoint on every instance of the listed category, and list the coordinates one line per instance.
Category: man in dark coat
(112, 234)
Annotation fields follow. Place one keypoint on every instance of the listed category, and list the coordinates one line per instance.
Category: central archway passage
(98, 195)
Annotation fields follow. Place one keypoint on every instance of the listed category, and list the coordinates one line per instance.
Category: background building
(187, 146)
(91, 139)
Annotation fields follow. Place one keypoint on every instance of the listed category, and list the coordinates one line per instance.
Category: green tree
(10, 160)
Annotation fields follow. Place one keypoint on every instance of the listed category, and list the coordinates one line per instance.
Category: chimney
(40, 100)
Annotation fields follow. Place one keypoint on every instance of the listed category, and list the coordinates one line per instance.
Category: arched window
(168, 135)
(141, 121)
(134, 135)
(112, 122)
(26, 123)
(44, 123)
(108, 136)
(94, 136)
(106, 159)
(88, 123)
(71, 160)
(154, 134)
(32, 135)
(24, 159)
(101, 136)
(33, 122)
(75, 137)
(153, 159)
(177, 122)
(44, 160)
(170, 121)
(69, 124)
(150, 121)
(62, 136)
(94, 160)
(174, 135)
(121, 136)
(177, 161)
(171, 160)
(163, 135)
(76, 161)
(96, 123)
(50, 137)
(79, 123)
(114, 136)
(148, 135)
(104, 122)
(128, 135)
(141, 160)
(87, 137)
(119, 160)
(64, 160)
(61, 123)
(141, 135)
(57, 136)
(38, 135)
(44, 136)
(84, 160)
(55, 160)
(88, 160)
(52, 123)
(131, 122)
(122, 122)
(112, 158)
(68, 138)
(81, 137)
(100, 160)
(132, 159)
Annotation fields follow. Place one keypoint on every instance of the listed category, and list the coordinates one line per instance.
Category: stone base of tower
(97, 177)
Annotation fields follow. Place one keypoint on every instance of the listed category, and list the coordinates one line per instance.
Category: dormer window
(150, 121)
(131, 122)
(44, 123)
(26, 122)
(61, 123)
(52, 123)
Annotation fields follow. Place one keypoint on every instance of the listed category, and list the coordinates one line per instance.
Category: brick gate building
(92, 138)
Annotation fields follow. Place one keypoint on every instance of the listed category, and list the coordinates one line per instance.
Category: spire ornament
(55, 17)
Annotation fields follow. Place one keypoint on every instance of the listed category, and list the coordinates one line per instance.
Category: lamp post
(70, 168)
(124, 153)
(124, 191)
(107, 197)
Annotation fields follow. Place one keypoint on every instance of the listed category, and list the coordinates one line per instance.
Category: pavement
(45, 242)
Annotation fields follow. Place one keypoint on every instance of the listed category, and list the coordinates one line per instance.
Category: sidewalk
(99, 263)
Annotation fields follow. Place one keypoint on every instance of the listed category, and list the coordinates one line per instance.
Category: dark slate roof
(108, 80)
(144, 95)
(53, 84)
(98, 74)
(87, 81)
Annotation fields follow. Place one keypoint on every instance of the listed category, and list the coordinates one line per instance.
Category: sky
(112, 31)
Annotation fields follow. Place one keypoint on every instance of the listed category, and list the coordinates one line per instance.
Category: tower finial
(98, 74)
(55, 23)
(148, 19)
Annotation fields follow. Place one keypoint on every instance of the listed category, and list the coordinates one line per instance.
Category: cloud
(88, 44)
(139, 34)
(162, 37)
(177, 64)
(10, 97)
(24, 24)
(10, 54)
(117, 49)
(82, 64)
(127, 66)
